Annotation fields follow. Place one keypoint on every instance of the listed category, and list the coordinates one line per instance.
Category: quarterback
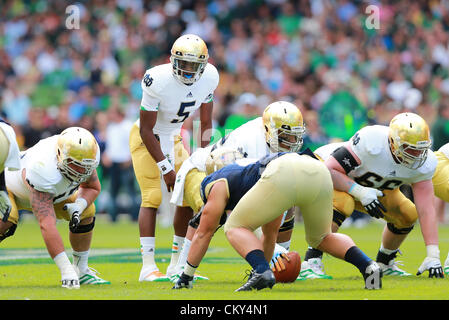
(58, 180)
(280, 128)
(257, 194)
(367, 172)
(171, 93)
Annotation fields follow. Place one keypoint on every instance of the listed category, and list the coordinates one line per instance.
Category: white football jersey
(445, 150)
(12, 161)
(249, 138)
(378, 169)
(174, 101)
(41, 173)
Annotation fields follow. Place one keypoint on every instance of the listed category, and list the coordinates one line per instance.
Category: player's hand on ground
(170, 178)
(184, 281)
(433, 265)
(5, 205)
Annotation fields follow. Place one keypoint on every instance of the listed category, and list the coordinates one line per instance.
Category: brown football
(292, 268)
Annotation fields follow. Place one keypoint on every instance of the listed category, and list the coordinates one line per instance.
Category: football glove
(184, 281)
(75, 210)
(278, 263)
(368, 198)
(433, 265)
(5, 206)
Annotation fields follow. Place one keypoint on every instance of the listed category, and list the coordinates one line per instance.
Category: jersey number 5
(182, 112)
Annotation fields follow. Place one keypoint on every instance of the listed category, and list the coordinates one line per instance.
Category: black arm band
(2, 181)
(345, 159)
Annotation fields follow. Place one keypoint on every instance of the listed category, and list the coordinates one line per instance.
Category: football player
(171, 93)
(58, 180)
(367, 172)
(9, 159)
(257, 194)
(280, 128)
(440, 182)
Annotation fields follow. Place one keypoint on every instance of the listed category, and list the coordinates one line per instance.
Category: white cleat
(392, 269)
(312, 269)
(153, 276)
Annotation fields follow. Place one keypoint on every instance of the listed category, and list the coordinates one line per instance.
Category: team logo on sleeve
(147, 80)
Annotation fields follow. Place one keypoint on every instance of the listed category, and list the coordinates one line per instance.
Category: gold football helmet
(189, 57)
(409, 139)
(221, 157)
(77, 154)
(284, 127)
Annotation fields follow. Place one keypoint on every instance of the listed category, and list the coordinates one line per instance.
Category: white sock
(64, 265)
(386, 251)
(184, 253)
(80, 260)
(147, 247)
(176, 249)
(285, 244)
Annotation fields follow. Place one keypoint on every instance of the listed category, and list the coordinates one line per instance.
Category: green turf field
(27, 272)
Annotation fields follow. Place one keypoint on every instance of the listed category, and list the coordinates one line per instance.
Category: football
(292, 268)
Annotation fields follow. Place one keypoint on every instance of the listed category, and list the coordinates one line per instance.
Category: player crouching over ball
(257, 193)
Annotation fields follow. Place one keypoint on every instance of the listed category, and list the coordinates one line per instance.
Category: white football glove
(433, 265)
(368, 198)
(75, 210)
(5, 205)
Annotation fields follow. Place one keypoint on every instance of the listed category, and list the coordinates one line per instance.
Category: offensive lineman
(58, 180)
(367, 172)
(281, 128)
(9, 158)
(171, 93)
(257, 194)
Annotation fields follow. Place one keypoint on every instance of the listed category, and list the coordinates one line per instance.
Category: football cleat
(90, 277)
(70, 283)
(446, 267)
(373, 276)
(153, 276)
(391, 268)
(196, 276)
(312, 269)
(259, 281)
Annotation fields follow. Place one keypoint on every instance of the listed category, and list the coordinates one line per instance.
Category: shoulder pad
(156, 78)
(369, 139)
(42, 178)
(211, 75)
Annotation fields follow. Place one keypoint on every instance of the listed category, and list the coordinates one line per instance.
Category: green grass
(116, 255)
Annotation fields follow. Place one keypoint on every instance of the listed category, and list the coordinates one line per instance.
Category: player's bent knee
(396, 230)
(84, 228)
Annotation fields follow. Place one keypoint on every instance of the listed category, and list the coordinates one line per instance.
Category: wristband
(82, 203)
(164, 166)
(433, 251)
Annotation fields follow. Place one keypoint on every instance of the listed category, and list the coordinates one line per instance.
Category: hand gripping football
(287, 267)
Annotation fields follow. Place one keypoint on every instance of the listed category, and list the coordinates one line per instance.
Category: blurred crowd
(321, 55)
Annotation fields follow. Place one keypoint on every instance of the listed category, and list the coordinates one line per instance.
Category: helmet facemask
(285, 139)
(410, 156)
(188, 72)
(77, 171)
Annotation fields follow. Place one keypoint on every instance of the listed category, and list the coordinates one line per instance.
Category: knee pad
(338, 218)
(8, 232)
(288, 224)
(84, 228)
(395, 230)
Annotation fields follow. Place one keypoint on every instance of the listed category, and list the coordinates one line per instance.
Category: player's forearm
(206, 132)
(90, 190)
(429, 225)
(152, 144)
(341, 181)
(42, 206)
